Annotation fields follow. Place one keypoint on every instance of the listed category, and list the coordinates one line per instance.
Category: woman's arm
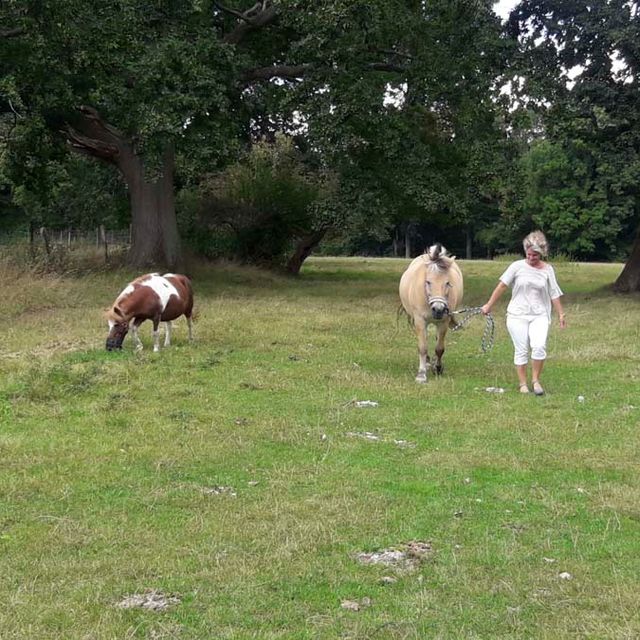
(495, 296)
(557, 305)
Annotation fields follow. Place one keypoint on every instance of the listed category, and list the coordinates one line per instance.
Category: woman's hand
(486, 309)
(563, 321)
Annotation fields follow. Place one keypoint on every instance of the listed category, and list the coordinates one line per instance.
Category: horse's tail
(402, 311)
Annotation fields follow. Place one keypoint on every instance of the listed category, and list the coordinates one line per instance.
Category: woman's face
(533, 258)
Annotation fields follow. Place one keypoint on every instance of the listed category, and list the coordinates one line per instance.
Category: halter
(431, 299)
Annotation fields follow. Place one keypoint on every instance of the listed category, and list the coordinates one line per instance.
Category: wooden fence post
(45, 236)
(32, 239)
(103, 236)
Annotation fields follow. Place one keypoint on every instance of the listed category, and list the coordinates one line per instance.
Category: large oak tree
(582, 61)
(139, 85)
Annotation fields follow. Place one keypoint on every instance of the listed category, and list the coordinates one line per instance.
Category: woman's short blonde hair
(536, 240)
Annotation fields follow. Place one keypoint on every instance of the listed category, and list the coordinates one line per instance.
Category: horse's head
(118, 329)
(438, 285)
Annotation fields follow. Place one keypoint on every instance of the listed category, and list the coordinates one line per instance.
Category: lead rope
(489, 332)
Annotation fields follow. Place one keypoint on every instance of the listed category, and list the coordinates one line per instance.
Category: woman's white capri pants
(528, 331)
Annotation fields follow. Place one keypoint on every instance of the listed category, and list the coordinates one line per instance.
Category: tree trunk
(407, 242)
(303, 250)
(629, 280)
(167, 208)
(469, 243)
(154, 229)
(396, 243)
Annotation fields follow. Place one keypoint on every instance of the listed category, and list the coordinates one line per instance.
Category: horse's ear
(115, 313)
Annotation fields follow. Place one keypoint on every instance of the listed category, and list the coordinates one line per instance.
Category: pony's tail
(402, 311)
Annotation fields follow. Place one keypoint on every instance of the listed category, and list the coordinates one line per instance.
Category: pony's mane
(439, 257)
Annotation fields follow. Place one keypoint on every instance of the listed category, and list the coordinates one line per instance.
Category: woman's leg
(538, 332)
(521, 370)
(536, 369)
(519, 331)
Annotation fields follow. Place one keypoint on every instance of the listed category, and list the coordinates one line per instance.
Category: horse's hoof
(438, 370)
(421, 379)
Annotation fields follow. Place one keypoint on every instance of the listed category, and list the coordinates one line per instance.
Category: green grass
(107, 458)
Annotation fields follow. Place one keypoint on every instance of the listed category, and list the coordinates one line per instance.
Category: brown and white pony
(150, 297)
(430, 289)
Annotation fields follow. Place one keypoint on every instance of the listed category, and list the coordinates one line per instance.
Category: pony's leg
(442, 332)
(134, 334)
(421, 334)
(167, 334)
(156, 335)
(190, 325)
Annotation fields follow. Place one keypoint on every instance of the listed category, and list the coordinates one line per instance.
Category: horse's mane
(439, 257)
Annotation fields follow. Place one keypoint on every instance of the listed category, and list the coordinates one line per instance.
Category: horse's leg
(190, 325)
(167, 334)
(156, 334)
(134, 334)
(442, 329)
(421, 334)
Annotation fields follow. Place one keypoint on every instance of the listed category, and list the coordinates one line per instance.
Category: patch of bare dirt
(151, 600)
(406, 558)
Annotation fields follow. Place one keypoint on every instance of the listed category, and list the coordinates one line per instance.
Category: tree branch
(298, 72)
(292, 72)
(94, 137)
(386, 66)
(261, 14)
(91, 146)
(12, 33)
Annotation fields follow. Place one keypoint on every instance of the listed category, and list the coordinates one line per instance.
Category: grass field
(236, 477)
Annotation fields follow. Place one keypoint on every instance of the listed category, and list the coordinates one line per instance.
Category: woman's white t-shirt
(533, 289)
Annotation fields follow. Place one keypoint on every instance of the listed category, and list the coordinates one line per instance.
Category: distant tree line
(267, 130)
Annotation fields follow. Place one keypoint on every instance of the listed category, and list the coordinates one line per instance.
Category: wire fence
(69, 237)
(53, 244)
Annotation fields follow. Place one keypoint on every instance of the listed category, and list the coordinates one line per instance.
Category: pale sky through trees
(503, 7)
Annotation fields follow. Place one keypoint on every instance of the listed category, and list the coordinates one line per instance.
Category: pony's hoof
(421, 378)
(438, 369)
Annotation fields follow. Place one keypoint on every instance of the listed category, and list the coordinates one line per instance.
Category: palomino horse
(430, 290)
(150, 297)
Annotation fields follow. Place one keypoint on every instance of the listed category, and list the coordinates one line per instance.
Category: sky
(502, 7)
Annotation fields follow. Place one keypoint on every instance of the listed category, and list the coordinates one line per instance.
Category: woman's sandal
(537, 388)
(524, 388)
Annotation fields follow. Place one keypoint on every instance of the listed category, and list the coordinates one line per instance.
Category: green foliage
(166, 74)
(268, 201)
(79, 194)
(585, 188)
(566, 195)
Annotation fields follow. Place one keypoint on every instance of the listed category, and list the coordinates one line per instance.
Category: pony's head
(118, 329)
(438, 285)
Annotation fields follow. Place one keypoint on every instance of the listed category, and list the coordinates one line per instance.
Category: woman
(535, 291)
